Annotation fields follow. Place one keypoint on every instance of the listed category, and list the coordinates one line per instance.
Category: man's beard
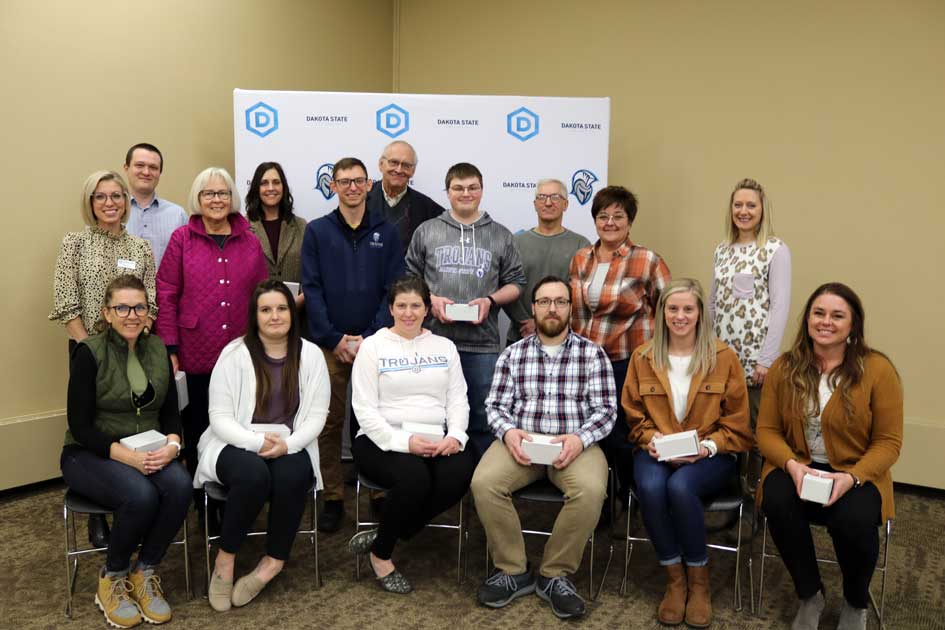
(552, 327)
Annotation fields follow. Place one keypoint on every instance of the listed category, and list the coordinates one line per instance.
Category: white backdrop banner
(514, 140)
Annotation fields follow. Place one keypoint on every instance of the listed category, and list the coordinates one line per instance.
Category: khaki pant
(584, 484)
(329, 441)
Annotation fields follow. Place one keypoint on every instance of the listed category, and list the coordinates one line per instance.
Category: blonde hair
(91, 183)
(193, 201)
(703, 354)
(765, 229)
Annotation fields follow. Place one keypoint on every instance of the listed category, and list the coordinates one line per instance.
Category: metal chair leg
(627, 549)
(187, 584)
(70, 571)
(590, 569)
(459, 546)
(313, 520)
(761, 569)
(206, 539)
(357, 525)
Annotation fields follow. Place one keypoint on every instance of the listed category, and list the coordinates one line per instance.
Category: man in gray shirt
(546, 250)
(150, 217)
(466, 257)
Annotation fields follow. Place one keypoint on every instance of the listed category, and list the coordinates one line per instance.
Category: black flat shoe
(98, 530)
(330, 516)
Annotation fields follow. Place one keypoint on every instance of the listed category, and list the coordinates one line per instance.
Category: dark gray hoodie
(462, 263)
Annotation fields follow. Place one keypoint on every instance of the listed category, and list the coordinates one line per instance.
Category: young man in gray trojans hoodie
(466, 257)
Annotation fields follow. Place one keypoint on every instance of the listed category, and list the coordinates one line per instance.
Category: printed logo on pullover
(416, 364)
(462, 260)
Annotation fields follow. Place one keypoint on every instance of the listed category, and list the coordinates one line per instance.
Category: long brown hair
(802, 368)
(290, 370)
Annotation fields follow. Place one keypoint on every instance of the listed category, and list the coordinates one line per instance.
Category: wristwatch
(177, 444)
(494, 303)
(856, 480)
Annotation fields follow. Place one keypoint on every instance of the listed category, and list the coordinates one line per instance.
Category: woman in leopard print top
(90, 259)
(751, 286)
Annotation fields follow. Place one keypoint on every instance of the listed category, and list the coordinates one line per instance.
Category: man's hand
(526, 327)
(513, 441)
(484, 304)
(572, 446)
(347, 348)
(438, 305)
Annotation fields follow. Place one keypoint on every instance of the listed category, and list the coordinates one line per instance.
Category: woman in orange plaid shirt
(615, 285)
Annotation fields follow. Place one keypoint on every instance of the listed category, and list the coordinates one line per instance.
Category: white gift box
(541, 450)
(428, 432)
(280, 429)
(293, 287)
(145, 442)
(684, 444)
(816, 489)
(180, 380)
(462, 312)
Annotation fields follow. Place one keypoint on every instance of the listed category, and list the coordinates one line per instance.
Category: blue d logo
(522, 124)
(261, 119)
(392, 120)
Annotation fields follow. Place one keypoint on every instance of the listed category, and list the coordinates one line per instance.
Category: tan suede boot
(699, 605)
(673, 606)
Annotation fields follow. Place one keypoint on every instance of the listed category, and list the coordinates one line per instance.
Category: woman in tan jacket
(831, 407)
(684, 379)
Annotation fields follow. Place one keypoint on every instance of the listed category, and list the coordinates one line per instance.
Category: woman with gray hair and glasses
(206, 279)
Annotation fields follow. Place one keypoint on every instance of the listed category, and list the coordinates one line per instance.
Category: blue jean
(671, 501)
(149, 509)
(478, 369)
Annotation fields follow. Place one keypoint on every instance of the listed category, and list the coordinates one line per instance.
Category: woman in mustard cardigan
(831, 407)
(684, 379)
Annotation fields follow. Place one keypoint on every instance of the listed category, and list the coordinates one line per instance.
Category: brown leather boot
(673, 606)
(699, 605)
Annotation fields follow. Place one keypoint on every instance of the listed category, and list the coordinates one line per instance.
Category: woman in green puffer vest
(120, 384)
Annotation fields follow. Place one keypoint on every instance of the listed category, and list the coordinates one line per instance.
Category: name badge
(127, 264)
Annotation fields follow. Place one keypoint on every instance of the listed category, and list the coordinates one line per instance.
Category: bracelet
(856, 481)
(177, 444)
(494, 303)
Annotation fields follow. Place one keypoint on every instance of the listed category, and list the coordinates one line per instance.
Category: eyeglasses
(604, 219)
(116, 197)
(357, 181)
(407, 166)
(223, 195)
(553, 198)
(459, 190)
(547, 302)
(123, 310)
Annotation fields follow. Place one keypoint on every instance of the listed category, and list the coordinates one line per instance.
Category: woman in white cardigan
(407, 374)
(272, 379)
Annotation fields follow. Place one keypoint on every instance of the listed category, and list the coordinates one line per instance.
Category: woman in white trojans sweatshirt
(406, 374)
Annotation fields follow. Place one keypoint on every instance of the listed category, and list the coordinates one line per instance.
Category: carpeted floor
(33, 585)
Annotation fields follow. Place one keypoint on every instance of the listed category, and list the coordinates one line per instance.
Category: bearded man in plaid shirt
(552, 383)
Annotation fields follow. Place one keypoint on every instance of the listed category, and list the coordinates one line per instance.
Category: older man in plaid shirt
(553, 383)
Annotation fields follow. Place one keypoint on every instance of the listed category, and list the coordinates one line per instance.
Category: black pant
(852, 523)
(195, 418)
(251, 481)
(149, 509)
(419, 488)
(617, 449)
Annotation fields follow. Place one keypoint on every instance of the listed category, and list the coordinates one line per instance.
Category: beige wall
(835, 107)
(82, 81)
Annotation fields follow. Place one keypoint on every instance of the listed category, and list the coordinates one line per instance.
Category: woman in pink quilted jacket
(204, 285)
